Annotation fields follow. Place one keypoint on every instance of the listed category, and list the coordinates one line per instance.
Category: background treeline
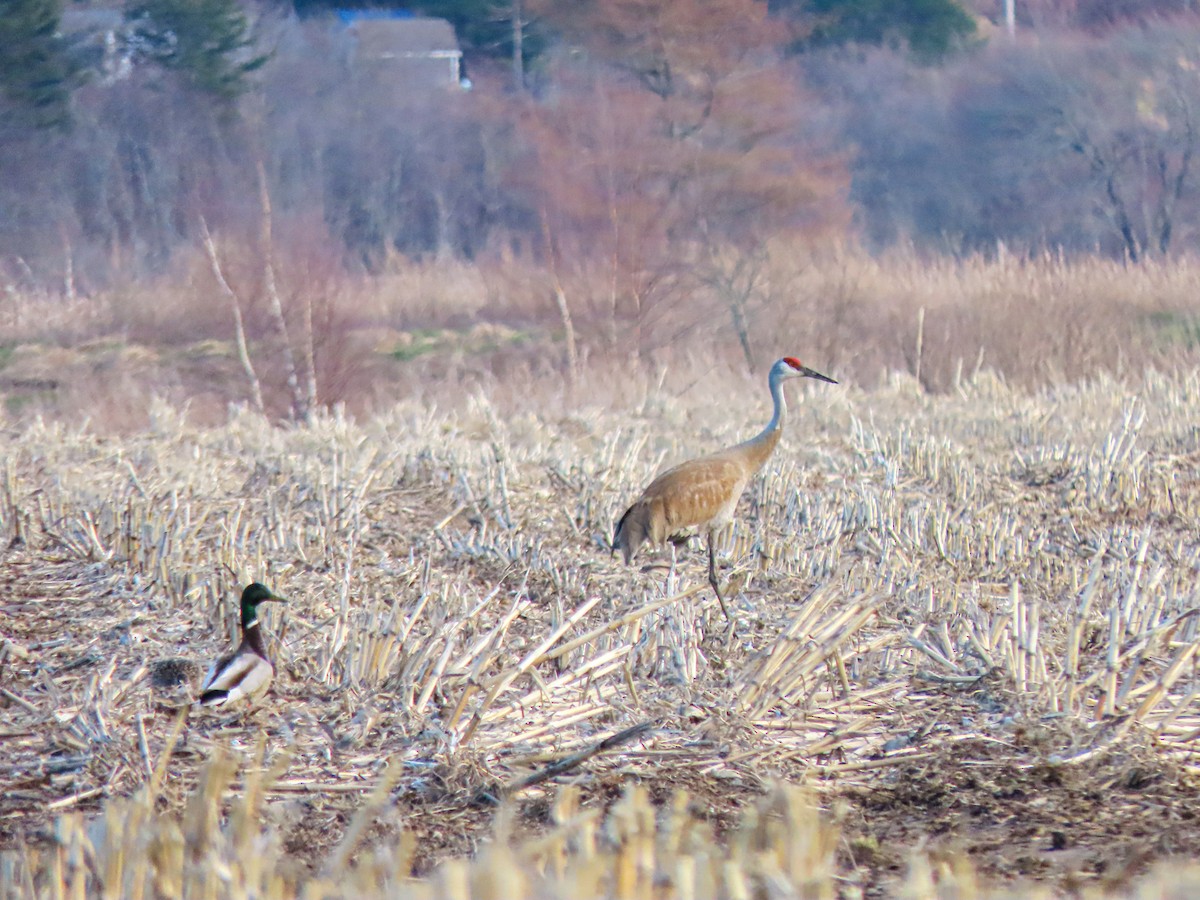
(643, 136)
(229, 201)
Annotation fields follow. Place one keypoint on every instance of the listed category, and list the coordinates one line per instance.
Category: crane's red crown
(793, 362)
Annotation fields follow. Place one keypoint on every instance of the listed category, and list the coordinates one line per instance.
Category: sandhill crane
(703, 493)
(246, 672)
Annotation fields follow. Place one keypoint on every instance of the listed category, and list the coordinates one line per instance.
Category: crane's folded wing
(697, 492)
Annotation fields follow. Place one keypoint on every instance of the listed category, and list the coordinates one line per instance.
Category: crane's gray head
(790, 367)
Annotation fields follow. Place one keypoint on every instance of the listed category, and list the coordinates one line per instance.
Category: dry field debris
(967, 624)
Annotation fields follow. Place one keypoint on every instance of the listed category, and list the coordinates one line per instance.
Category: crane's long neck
(775, 426)
(759, 448)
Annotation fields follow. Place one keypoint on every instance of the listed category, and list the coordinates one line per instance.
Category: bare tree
(680, 135)
(239, 324)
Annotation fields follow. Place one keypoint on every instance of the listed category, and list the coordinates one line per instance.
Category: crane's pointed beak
(813, 373)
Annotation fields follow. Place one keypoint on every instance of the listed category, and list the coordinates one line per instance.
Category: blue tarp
(348, 16)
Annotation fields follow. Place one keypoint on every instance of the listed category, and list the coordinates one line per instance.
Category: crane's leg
(671, 577)
(712, 577)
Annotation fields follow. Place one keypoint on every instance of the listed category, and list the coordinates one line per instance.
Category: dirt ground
(917, 641)
(998, 801)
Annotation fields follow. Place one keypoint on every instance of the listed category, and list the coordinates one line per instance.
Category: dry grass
(967, 624)
(431, 330)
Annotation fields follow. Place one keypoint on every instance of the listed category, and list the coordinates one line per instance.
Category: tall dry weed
(436, 329)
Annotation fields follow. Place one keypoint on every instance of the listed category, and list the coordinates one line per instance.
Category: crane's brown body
(703, 493)
(700, 493)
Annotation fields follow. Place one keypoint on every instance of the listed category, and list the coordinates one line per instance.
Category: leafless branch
(239, 326)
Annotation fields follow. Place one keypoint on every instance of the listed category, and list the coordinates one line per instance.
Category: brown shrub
(434, 329)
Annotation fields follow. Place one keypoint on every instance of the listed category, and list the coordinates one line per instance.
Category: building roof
(390, 38)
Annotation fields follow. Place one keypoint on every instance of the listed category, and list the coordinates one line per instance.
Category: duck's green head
(253, 595)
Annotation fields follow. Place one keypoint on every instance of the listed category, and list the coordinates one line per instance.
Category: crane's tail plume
(632, 530)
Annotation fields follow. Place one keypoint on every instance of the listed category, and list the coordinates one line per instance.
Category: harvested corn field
(965, 651)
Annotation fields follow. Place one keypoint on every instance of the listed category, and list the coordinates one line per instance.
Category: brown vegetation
(965, 586)
(966, 616)
(434, 330)
(654, 140)
(405, 357)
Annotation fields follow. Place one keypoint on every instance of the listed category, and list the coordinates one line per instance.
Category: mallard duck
(246, 672)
